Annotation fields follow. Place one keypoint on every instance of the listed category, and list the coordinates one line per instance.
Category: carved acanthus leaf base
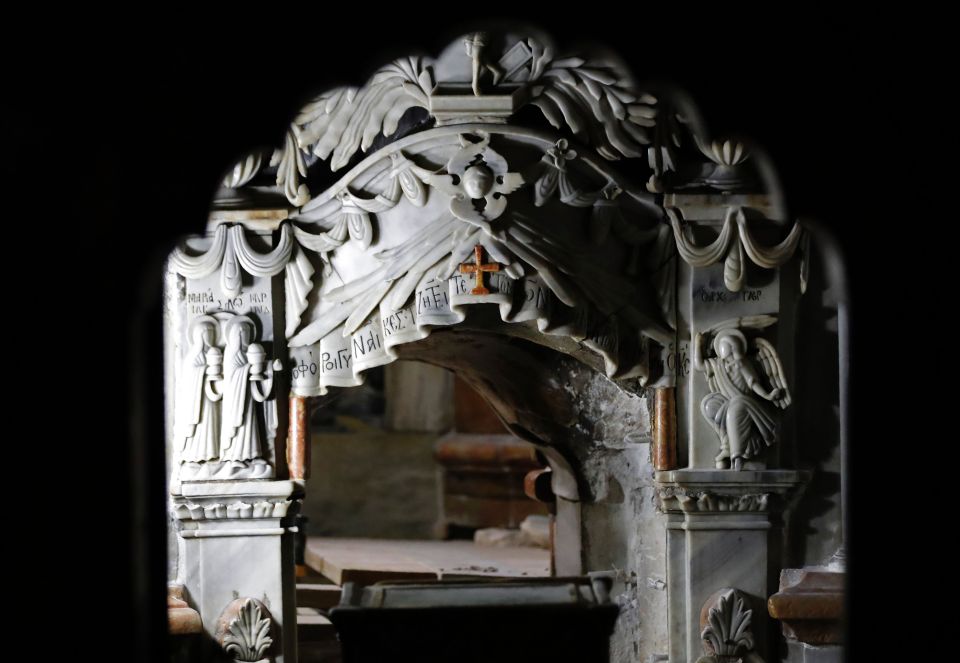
(719, 491)
(243, 630)
(726, 622)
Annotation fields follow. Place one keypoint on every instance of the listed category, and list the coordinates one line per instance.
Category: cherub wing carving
(339, 122)
(595, 99)
(508, 183)
(773, 369)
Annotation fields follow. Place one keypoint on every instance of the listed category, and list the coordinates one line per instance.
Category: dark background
(121, 132)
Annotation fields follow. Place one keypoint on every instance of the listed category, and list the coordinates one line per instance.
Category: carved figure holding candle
(247, 414)
(738, 405)
(198, 407)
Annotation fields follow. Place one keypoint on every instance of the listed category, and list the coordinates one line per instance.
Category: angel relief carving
(739, 408)
(225, 418)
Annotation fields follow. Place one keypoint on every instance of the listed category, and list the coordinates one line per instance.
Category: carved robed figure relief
(740, 406)
(247, 416)
(198, 407)
(225, 414)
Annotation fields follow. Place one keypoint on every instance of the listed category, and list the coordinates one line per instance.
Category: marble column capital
(729, 492)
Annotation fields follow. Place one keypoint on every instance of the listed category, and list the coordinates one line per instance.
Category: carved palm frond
(570, 90)
(340, 122)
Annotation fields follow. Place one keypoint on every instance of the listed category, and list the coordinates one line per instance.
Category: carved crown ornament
(374, 260)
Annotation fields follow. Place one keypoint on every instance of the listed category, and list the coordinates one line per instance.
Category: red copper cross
(477, 269)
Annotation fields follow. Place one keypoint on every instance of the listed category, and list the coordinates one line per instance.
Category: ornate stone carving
(230, 252)
(217, 511)
(477, 181)
(474, 46)
(198, 405)
(727, 637)
(243, 171)
(726, 155)
(225, 415)
(730, 245)
(248, 382)
(590, 94)
(594, 98)
(243, 630)
(339, 122)
(693, 501)
(737, 405)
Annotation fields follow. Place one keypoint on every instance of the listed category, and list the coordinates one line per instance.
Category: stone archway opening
(639, 332)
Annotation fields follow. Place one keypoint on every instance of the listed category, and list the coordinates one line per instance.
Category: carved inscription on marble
(203, 301)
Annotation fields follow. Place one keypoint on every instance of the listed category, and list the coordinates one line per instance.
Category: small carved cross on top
(477, 269)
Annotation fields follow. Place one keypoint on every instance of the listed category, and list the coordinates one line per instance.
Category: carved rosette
(243, 630)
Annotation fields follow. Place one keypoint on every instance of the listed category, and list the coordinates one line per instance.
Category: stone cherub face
(478, 182)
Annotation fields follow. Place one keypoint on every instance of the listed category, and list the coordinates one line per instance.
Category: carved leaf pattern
(247, 638)
(573, 89)
(291, 166)
(340, 122)
(243, 171)
(728, 629)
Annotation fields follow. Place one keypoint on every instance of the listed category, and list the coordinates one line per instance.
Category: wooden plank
(363, 561)
(372, 560)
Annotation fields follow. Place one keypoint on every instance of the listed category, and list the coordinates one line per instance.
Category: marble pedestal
(237, 543)
(724, 531)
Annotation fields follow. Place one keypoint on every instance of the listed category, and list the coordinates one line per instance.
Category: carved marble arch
(598, 218)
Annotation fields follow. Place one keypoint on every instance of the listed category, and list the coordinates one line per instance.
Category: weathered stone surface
(596, 434)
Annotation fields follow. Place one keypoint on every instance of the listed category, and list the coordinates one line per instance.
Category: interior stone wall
(372, 483)
(622, 531)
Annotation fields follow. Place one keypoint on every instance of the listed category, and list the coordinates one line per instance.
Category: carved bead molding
(734, 245)
(243, 630)
(240, 509)
(727, 637)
